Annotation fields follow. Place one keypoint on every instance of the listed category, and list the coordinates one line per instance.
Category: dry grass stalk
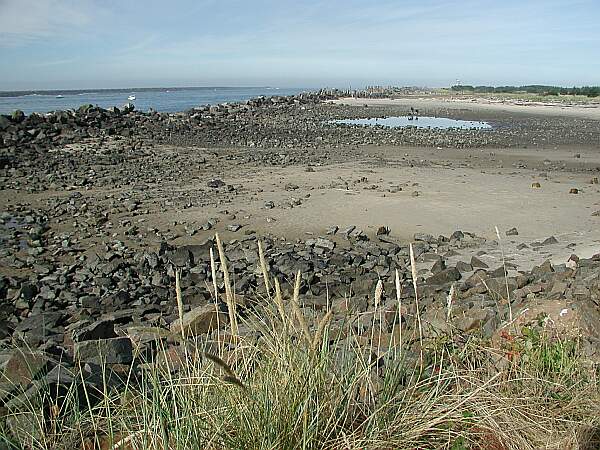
(228, 291)
(121, 444)
(378, 293)
(378, 297)
(413, 268)
(399, 301)
(321, 329)
(213, 270)
(510, 314)
(179, 300)
(450, 301)
(279, 303)
(298, 312)
(230, 376)
(263, 268)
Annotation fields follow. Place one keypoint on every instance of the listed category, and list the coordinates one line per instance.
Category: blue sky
(46, 44)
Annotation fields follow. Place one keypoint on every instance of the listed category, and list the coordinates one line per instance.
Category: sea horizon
(162, 99)
(55, 91)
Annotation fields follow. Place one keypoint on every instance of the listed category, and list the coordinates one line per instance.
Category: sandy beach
(588, 111)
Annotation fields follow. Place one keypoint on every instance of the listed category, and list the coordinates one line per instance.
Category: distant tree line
(590, 91)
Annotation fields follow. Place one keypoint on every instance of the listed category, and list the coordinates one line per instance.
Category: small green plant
(550, 357)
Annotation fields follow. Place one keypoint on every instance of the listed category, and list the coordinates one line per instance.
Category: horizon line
(150, 88)
(414, 86)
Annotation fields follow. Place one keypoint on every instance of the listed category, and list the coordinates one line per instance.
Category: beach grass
(287, 380)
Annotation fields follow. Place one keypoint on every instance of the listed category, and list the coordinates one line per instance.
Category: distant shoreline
(24, 93)
(591, 111)
(163, 99)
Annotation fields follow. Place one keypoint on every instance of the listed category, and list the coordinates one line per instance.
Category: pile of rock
(20, 132)
(126, 288)
(299, 121)
(104, 312)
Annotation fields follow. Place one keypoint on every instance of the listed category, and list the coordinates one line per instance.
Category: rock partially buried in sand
(234, 227)
(332, 230)
(573, 191)
(478, 263)
(199, 320)
(382, 231)
(550, 241)
(215, 183)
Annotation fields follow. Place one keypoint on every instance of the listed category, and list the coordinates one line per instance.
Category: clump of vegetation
(285, 380)
(588, 91)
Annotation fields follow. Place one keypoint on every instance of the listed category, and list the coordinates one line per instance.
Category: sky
(79, 44)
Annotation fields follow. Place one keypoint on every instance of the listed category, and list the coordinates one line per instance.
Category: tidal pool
(418, 122)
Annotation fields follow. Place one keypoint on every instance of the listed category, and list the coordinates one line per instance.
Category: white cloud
(22, 21)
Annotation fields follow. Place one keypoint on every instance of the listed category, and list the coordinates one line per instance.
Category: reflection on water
(418, 122)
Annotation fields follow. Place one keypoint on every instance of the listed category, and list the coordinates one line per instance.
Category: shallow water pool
(418, 122)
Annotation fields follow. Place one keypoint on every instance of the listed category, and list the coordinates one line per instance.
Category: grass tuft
(277, 387)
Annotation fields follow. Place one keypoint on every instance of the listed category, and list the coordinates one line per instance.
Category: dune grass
(287, 380)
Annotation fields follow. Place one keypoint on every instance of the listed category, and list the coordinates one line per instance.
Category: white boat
(60, 96)
(131, 97)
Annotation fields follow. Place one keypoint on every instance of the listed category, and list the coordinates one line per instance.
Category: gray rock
(478, 263)
(4, 122)
(199, 320)
(438, 266)
(332, 230)
(349, 230)
(445, 276)
(550, 241)
(457, 235)
(423, 237)
(117, 350)
(472, 319)
(20, 367)
(324, 243)
(181, 257)
(382, 231)
(215, 183)
(463, 267)
(101, 329)
(17, 116)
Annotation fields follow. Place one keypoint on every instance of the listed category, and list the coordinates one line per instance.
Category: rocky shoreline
(279, 122)
(109, 312)
(85, 279)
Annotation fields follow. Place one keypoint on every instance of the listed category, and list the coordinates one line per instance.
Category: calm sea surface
(164, 100)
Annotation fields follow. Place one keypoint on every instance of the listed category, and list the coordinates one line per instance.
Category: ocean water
(160, 99)
(418, 122)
